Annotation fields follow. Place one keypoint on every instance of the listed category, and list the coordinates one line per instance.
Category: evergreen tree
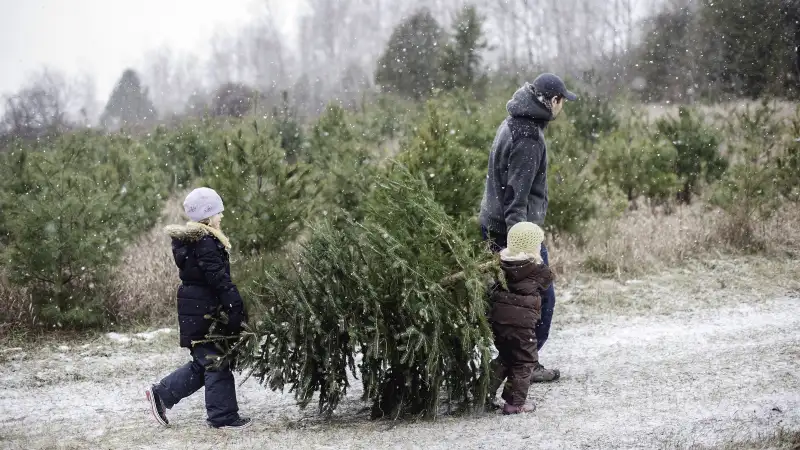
(571, 189)
(698, 156)
(376, 287)
(68, 227)
(664, 53)
(745, 48)
(756, 40)
(129, 104)
(454, 173)
(461, 61)
(749, 191)
(233, 100)
(410, 65)
(266, 199)
(638, 164)
(342, 162)
(592, 115)
(288, 128)
(789, 163)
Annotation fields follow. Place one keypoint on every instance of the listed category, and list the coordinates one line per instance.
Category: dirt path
(690, 377)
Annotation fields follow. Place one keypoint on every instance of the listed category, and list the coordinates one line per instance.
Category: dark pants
(498, 242)
(515, 363)
(221, 405)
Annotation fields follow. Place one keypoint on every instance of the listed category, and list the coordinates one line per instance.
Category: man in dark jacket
(201, 251)
(516, 183)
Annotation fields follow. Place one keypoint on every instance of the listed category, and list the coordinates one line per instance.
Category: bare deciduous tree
(48, 104)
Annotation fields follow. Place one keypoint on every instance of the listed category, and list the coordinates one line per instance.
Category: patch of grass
(781, 439)
(146, 280)
(600, 264)
(646, 242)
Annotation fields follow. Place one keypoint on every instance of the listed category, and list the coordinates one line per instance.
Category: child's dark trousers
(220, 388)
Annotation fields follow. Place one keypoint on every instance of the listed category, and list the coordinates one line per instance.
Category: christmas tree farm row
(70, 206)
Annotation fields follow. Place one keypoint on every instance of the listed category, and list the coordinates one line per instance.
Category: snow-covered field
(704, 357)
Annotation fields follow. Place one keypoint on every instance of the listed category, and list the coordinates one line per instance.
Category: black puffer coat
(520, 305)
(206, 287)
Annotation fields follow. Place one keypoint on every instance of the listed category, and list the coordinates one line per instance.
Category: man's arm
(523, 164)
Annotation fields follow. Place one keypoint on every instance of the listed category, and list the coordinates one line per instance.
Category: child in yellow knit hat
(516, 307)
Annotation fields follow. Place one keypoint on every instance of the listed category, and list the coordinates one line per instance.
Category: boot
(542, 375)
(511, 409)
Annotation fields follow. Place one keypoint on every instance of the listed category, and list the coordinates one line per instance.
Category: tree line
(682, 51)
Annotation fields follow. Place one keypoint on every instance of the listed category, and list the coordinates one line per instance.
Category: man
(516, 184)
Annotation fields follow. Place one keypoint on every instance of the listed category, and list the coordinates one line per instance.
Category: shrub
(233, 99)
(421, 341)
(453, 172)
(637, 164)
(288, 128)
(569, 180)
(748, 192)
(67, 229)
(697, 147)
(788, 164)
(386, 118)
(342, 164)
(592, 116)
(266, 199)
(183, 152)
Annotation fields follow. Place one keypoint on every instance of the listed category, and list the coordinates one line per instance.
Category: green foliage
(748, 192)
(386, 119)
(266, 199)
(461, 61)
(721, 49)
(67, 225)
(570, 184)
(697, 146)
(592, 116)
(788, 164)
(453, 172)
(410, 65)
(288, 128)
(184, 151)
(665, 60)
(754, 53)
(638, 164)
(342, 164)
(373, 288)
(233, 100)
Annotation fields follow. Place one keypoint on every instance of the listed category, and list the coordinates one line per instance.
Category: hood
(524, 104)
(517, 271)
(193, 232)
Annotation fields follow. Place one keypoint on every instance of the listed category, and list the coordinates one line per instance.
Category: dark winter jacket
(206, 287)
(520, 305)
(516, 184)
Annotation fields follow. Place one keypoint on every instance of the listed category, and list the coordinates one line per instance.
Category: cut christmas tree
(377, 300)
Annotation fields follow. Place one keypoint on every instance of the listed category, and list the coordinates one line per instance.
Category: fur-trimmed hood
(194, 231)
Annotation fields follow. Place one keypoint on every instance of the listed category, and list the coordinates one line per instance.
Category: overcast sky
(103, 37)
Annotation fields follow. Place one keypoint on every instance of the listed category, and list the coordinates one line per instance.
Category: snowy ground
(696, 359)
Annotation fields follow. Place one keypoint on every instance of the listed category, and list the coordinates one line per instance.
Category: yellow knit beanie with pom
(525, 237)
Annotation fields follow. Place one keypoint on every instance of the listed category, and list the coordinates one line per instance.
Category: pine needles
(365, 299)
